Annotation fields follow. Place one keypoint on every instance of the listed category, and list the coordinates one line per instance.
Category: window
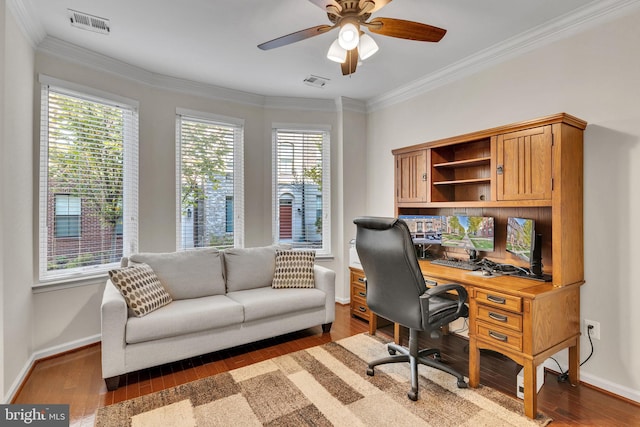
(67, 220)
(301, 187)
(88, 181)
(209, 153)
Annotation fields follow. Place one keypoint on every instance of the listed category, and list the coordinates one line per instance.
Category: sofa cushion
(183, 317)
(249, 268)
(187, 274)
(266, 302)
(141, 288)
(294, 269)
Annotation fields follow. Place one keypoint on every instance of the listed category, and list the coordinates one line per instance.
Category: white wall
(17, 200)
(595, 76)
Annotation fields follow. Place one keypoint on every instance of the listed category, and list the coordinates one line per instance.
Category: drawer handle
(498, 317)
(362, 309)
(362, 294)
(361, 279)
(499, 337)
(497, 300)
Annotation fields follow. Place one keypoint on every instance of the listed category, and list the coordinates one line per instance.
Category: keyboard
(463, 265)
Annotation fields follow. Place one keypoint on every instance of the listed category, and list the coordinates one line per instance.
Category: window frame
(130, 108)
(325, 251)
(238, 172)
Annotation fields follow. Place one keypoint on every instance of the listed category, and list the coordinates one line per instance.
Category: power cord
(564, 376)
(465, 326)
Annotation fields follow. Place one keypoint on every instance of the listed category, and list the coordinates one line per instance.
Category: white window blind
(88, 183)
(210, 193)
(302, 188)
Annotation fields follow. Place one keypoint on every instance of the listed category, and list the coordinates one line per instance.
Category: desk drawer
(499, 336)
(499, 317)
(357, 277)
(500, 300)
(359, 308)
(358, 290)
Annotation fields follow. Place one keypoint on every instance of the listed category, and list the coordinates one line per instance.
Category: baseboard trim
(600, 384)
(612, 388)
(43, 354)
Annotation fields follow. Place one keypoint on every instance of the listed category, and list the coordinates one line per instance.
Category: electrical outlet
(595, 331)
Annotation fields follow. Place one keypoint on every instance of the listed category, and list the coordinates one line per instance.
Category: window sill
(69, 282)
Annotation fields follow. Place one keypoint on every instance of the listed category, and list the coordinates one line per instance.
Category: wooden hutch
(531, 169)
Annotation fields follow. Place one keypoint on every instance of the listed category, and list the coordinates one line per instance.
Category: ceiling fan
(351, 16)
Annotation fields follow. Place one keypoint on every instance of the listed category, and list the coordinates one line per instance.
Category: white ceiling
(215, 42)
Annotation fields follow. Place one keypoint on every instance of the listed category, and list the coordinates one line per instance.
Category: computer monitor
(472, 233)
(424, 229)
(526, 244)
(521, 237)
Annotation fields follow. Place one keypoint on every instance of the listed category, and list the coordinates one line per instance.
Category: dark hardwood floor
(74, 378)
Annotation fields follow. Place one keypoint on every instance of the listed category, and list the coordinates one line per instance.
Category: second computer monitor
(520, 237)
(469, 232)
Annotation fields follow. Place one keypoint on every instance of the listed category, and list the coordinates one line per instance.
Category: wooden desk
(526, 320)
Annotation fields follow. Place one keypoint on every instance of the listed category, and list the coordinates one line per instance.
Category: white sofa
(221, 299)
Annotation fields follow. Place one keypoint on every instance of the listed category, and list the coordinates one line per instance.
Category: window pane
(83, 146)
(301, 162)
(208, 168)
(67, 216)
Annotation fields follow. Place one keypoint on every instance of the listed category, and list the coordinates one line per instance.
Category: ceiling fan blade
(379, 4)
(350, 64)
(405, 29)
(295, 37)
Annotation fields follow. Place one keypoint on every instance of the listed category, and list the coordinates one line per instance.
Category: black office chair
(396, 291)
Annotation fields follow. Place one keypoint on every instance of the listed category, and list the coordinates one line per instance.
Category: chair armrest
(445, 289)
(114, 314)
(441, 289)
(325, 280)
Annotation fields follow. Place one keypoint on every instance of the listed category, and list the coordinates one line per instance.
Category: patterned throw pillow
(140, 288)
(294, 269)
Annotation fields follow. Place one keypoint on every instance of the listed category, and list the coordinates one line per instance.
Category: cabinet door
(524, 164)
(411, 176)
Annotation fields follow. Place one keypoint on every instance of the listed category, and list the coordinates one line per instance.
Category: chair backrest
(394, 278)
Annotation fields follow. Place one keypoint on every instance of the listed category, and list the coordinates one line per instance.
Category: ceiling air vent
(316, 81)
(89, 22)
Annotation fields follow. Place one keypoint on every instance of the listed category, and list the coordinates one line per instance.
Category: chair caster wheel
(391, 351)
(462, 384)
(412, 395)
(370, 372)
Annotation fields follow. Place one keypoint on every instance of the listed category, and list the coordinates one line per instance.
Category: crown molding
(352, 105)
(88, 58)
(26, 18)
(594, 13)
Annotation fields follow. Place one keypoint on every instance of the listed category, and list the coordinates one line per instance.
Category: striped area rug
(321, 386)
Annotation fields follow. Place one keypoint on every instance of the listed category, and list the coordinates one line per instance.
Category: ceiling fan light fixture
(367, 47)
(349, 36)
(336, 53)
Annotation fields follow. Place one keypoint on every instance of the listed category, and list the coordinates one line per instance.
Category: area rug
(321, 386)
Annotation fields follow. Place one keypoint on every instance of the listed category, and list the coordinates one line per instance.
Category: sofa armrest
(325, 279)
(114, 314)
